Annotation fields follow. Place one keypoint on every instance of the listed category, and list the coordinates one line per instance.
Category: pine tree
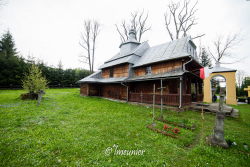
(204, 58)
(12, 66)
(7, 45)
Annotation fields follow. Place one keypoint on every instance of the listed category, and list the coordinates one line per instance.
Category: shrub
(34, 82)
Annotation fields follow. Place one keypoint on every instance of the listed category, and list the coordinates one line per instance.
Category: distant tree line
(13, 68)
(240, 89)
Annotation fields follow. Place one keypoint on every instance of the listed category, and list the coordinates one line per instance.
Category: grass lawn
(70, 130)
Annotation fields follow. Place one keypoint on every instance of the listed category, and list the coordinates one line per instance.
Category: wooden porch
(179, 92)
(170, 99)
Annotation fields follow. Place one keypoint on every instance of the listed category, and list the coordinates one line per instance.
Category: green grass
(70, 130)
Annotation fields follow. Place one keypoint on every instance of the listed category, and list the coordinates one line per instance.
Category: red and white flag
(204, 72)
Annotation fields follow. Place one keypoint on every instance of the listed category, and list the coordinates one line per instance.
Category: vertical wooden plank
(154, 103)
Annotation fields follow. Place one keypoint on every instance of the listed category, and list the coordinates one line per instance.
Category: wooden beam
(180, 92)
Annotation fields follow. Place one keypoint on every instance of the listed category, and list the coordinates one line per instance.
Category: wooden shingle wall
(159, 67)
(84, 89)
(119, 71)
(116, 91)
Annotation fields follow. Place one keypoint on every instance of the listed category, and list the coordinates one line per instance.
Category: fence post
(127, 94)
(141, 96)
(161, 99)
(180, 92)
(154, 105)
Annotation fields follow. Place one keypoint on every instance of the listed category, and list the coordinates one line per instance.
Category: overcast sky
(50, 29)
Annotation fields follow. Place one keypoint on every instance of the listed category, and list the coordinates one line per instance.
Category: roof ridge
(132, 52)
(137, 48)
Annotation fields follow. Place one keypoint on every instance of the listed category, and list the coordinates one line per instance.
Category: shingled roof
(96, 78)
(165, 51)
(141, 54)
(218, 69)
(126, 56)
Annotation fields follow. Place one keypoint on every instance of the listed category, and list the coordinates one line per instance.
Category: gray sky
(50, 29)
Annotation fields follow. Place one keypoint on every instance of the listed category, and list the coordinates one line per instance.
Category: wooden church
(171, 70)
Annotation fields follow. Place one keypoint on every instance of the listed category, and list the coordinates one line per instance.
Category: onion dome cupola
(130, 44)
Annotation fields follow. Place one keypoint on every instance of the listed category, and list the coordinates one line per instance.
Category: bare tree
(89, 35)
(222, 47)
(240, 75)
(95, 31)
(138, 22)
(180, 18)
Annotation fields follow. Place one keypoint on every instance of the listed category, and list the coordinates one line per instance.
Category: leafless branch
(198, 36)
(180, 18)
(95, 31)
(123, 39)
(222, 47)
(240, 75)
(138, 21)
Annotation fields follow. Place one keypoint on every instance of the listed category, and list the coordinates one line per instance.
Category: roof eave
(224, 71)
(151, 79)
(128, 42)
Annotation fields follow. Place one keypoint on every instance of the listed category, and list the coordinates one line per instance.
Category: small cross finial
(132, 32)
(217, 64)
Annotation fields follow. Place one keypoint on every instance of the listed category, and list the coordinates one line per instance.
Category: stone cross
(217, 138)
(40, 94)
